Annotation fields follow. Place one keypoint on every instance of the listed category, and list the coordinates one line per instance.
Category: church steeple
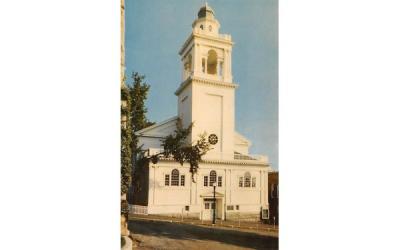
(206, 95)
(198, 57)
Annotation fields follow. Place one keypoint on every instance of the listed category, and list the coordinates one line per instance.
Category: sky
(155, 30)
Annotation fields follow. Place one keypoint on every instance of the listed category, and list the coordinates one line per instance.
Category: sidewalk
(252, 226)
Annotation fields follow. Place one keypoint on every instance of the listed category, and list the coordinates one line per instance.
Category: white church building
(206, 98)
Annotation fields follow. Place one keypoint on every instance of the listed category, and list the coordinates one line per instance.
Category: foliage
(126, 140)
(133, 118)
(178, 146)
(138, 91)
(139, 173)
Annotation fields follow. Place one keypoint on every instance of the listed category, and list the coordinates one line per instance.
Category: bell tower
(210, 58)
(206, 95)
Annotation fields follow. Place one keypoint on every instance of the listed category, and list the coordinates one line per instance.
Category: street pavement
(166, 235)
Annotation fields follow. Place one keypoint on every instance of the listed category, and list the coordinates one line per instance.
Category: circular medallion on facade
(213, 139)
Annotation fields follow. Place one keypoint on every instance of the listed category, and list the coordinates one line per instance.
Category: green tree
(133, 119)
(138, 91)
(182, 150)
(126, 147)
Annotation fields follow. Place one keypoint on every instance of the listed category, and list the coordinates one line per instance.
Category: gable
(160, 129)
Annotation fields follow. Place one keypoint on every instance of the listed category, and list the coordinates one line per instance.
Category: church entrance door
(208, 209)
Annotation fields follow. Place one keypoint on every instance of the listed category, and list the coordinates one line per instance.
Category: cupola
(205, 11)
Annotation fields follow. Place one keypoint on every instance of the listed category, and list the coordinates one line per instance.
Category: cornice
(215, 38)
(220, 38)
(194, 79)
(225, 162)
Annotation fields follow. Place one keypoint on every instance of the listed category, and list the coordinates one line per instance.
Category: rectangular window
(253, 182)
(186, 208)
(174, 180)
(205, 181)
(182, 180)
(240, 181)
(237, 207)
(167, 180)
(203, 65)
(230, 207)
(206, 205)
(219, 181)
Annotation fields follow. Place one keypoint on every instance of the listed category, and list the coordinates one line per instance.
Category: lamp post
(215, 202)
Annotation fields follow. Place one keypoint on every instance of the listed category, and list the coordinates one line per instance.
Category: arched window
(212, 62)
(175, 177)
(247, 178)
(213, 177)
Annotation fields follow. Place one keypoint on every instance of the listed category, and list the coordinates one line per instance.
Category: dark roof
(205, 11)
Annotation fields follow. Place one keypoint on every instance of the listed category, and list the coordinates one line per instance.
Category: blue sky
(156, 30)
